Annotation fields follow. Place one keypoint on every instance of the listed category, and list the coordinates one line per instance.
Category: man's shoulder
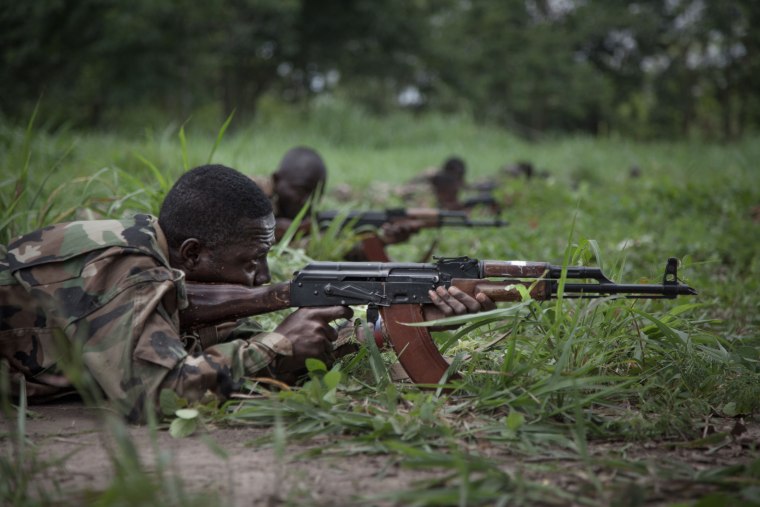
(63, 241)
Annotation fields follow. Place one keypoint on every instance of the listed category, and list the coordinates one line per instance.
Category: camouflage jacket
(100, 298)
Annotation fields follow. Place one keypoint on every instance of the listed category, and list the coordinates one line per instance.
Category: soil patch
(248, 472)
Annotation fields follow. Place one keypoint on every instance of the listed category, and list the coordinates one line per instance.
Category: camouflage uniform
(105, 291)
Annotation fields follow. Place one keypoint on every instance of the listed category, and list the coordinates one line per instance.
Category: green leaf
(313, 364)
(729, 409)
(331, 397)
(181, 428)
(332, 379)
(522, 289)
(168, 400)
(187, 413)
(467, 318)
(515, 420)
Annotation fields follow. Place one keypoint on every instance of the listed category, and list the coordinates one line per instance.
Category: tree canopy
(648, 68)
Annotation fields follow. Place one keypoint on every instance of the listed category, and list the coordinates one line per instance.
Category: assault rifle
(374, 249)
(398, 290)
(429, 217)
(482, 199)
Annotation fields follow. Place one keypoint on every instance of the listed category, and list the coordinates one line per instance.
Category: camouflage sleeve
(120, 316)
(227, 354)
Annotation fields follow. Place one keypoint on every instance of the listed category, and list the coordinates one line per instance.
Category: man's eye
(255, 263)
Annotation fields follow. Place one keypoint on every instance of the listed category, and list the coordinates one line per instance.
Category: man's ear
(190, 254)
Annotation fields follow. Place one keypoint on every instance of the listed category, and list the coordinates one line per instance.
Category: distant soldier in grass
(448, 182)
(445, 183)
(138, 301)
(448, 185)
(302, 175)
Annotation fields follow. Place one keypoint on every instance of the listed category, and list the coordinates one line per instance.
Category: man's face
(293, 191)
(244, 262)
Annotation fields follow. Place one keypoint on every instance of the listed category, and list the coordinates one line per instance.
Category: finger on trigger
(347, 312)
(336, 312)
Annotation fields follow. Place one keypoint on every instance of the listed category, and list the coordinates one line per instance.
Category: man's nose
(262, 274)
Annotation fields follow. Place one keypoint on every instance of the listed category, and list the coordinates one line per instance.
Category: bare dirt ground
(253, 474)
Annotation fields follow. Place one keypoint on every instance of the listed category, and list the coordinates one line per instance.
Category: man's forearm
(214, 303)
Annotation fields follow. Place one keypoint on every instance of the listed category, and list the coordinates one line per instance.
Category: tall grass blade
(155, 172)
(183, 146)
(292, 230)
(220, 135)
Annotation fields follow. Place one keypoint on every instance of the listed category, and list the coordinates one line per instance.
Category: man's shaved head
(303, 164)
(301, 173)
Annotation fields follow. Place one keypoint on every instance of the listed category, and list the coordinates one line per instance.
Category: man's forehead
(259, 230)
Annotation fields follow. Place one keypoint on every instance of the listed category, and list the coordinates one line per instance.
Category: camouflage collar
(61, 242)
(161, 240)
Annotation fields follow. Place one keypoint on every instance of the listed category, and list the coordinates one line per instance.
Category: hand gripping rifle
(398, 290)
(374, 248)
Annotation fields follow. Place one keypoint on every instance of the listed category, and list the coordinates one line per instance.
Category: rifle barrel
(630, 290)
(432, 217)
(480, 223)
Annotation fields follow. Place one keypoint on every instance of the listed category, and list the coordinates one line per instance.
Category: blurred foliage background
(642, 116)
(647, 69)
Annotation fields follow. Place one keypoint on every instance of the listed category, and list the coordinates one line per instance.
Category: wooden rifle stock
(504, 291)
(373, 249)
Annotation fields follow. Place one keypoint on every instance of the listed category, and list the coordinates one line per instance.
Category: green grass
(547, 384)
